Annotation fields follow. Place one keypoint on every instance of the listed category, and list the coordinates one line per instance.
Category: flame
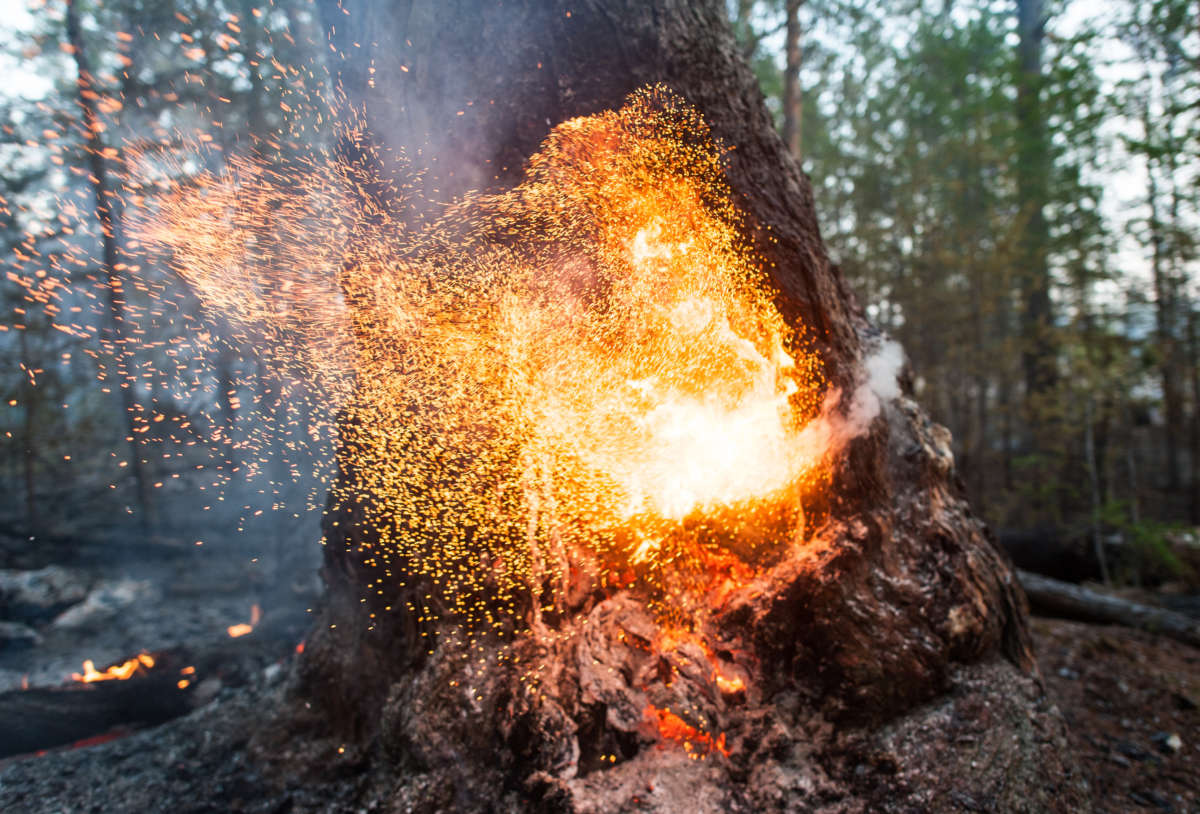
(119, 672)
(671, 638)
(730, 684)
(697, 743)
(242, 628)
(587, 369)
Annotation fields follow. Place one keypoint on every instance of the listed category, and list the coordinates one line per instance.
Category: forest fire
(585, 370)
(622, 504)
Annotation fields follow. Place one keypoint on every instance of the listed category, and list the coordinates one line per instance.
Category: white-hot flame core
(671, 444)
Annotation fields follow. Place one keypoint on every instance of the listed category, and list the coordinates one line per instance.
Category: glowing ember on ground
(242, 628)
(96, 740)
(125, 670)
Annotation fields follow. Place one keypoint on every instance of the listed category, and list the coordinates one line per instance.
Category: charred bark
(859, 659)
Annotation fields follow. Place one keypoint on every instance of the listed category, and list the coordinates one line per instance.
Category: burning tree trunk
(876, 659)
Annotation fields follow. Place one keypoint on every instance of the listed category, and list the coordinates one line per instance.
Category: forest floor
(148, 601)
(1131, 701)
(1132, 704)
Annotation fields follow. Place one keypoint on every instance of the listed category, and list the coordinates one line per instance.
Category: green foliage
(1149, 543)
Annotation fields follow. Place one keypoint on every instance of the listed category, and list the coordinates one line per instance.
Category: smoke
(881, 384)
(878, 383)
(883, 370)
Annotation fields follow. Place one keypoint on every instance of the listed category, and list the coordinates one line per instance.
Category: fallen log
(180, 680)
(1054, 598)
(46, 717)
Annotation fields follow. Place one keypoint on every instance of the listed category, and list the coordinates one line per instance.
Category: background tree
(131, 89)
(957, 165)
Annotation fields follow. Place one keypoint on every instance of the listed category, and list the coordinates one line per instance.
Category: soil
(1124, 694)
(1130, 698)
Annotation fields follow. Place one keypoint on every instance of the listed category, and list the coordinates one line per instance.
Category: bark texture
(1054, 598)
(885, 667)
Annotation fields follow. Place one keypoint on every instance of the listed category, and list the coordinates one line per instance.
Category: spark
(585, 372)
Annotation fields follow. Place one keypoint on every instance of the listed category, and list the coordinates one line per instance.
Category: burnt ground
(152, 604)
(1130, 700)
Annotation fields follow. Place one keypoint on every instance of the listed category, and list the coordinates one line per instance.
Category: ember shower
(583, 378)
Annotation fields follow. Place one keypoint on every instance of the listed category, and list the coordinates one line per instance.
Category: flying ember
(585, 374)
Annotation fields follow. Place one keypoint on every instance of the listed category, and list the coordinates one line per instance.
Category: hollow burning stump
(882, 667)
(851, 642)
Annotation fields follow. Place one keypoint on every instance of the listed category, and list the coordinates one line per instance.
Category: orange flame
(697, 743)
(119, 672)
(242, 628)
(730, 685)
(588, 368)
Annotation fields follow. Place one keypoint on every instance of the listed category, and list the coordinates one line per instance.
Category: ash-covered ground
(53, 618)
(107, 603)
(1131, 699)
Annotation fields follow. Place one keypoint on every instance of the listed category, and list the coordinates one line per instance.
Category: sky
(16, 21)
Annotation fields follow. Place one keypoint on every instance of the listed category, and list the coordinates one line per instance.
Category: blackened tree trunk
(1033, 163)
(1164, 310)
(30, 398)
(887, 667)
(1193, 358)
